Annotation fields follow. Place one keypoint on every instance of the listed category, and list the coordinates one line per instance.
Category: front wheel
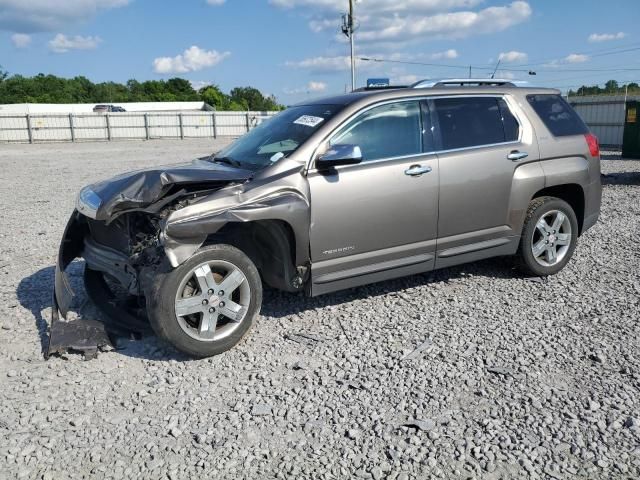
(549, 236)
(206, 305)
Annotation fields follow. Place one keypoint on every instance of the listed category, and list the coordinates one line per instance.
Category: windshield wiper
(226, 160)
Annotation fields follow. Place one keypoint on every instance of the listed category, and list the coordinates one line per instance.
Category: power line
(476, 67)
(592, 53)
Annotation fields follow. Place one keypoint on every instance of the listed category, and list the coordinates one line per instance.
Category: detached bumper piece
(77, 336)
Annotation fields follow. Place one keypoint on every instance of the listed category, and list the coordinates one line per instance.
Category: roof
(403, 92)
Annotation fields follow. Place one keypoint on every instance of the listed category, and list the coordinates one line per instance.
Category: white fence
(75, 127)
(605, 115)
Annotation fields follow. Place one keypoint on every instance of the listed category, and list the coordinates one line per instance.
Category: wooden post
(29, 128)
(73, 133)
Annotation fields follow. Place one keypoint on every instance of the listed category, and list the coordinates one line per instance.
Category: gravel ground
(469, 372)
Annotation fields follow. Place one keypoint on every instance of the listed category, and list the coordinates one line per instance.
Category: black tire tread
(160, 305)
(531, 215)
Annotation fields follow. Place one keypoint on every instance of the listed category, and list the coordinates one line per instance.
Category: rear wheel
(206, 305)
(549, 236)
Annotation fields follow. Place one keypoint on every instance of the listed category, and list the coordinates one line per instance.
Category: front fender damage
(282, 196)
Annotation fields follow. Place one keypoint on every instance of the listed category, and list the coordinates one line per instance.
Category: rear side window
(473, 121)
(557, 115)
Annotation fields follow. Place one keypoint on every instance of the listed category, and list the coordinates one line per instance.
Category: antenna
(496, 69)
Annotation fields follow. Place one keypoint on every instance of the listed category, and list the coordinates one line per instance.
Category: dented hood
(142, 188)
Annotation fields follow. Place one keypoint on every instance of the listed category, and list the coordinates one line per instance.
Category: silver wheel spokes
(551, 238)
(212, 300)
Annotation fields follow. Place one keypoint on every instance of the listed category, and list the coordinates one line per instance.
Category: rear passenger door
(481, 141)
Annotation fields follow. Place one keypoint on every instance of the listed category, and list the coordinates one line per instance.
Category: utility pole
(348, 28)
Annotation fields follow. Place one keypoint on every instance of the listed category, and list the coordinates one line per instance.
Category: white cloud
(317, 86)
(323, 64)
(191, 60)
(62, 44)
(605, 37)
(21, 40)
(28, 16)
(512, 56)
(393, 21)
(447, 54)
(215, 3)
(198, 84)
(407, 79)
(311, 87)
(576, 58)
(380, 6)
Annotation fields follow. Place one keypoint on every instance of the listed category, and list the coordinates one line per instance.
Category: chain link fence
(80, 127)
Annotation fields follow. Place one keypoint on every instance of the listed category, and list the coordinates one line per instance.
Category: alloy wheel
(551, 238)
(212, 300)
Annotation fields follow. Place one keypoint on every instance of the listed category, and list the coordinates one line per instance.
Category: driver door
(377, 219)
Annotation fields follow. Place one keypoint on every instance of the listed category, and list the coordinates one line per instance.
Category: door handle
(416, 170)
(515, 155)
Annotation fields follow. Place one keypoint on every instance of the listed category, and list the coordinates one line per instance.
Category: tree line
(52, 89)
(611, 87)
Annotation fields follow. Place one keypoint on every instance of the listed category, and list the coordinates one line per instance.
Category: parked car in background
(107, 108)
(336, 193)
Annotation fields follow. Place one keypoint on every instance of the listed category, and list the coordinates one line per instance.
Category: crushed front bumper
(84, 336)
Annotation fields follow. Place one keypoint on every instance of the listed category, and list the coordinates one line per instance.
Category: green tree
(51, 89)
(212, 95)
(611, 86)
(253, 99)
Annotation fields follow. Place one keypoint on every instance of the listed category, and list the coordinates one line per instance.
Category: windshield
(277, 137)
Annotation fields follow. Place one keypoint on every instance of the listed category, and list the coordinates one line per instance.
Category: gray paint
(371, 221)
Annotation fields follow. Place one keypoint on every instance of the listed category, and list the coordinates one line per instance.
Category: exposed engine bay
(130, 227)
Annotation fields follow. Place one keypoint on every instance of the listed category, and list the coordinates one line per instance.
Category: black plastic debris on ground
(77, 336)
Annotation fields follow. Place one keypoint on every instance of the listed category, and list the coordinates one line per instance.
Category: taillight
(592, 141)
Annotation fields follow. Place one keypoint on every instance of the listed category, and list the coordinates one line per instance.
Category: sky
(294, 49)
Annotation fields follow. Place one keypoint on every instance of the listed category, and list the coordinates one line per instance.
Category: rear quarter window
(557, 115)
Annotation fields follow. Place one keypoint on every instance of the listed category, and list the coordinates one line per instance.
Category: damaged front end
(128, 228)
(116, 228)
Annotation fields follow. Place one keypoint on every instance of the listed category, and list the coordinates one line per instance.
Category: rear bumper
(593, 200)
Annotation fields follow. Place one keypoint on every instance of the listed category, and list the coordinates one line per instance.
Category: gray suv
(336, 193)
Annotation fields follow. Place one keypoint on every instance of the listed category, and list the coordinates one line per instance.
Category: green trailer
(631, 135)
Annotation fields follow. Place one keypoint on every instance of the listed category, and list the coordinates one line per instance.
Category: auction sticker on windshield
(309, 120)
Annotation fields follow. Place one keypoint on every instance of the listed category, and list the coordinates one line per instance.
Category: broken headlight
(88, 202)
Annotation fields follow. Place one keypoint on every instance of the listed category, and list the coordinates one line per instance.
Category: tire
(199, 323)
(558, 233)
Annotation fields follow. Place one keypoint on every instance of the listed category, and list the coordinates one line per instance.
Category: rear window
(557, 115)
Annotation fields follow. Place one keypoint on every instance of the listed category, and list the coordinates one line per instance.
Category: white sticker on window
(309, 120)
(276, 156)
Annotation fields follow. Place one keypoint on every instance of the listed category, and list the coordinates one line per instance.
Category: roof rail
(385, 87)
(464, 82)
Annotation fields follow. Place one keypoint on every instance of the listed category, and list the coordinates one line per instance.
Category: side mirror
(339, 155)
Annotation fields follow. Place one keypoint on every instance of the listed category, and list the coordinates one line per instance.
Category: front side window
(473, 121)
(387, 131)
